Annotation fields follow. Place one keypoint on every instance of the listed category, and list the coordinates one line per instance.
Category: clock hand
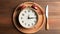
(31, 17)
(28, 17)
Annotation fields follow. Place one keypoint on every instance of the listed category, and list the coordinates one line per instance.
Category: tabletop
(6, 11)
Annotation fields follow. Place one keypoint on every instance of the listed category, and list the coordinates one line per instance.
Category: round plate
(39, 11)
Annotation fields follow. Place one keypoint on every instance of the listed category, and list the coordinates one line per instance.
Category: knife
(47, 23)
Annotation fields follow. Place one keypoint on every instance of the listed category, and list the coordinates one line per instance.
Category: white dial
(27, 18)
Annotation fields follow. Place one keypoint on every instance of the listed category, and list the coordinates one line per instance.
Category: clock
(28, 17)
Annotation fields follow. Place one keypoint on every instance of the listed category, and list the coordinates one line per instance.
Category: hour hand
(31, 17)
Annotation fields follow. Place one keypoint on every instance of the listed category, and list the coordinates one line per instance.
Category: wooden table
(6, 11)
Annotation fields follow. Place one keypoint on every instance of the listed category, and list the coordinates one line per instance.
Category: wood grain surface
(6, 11)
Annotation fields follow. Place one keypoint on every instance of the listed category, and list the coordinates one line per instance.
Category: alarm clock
(29, 17)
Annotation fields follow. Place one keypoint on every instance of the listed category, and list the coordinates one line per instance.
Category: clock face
(28, 18)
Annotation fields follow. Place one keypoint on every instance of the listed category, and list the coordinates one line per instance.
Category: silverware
(47, 23)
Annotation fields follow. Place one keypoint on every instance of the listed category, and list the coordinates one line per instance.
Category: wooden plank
(7, 7)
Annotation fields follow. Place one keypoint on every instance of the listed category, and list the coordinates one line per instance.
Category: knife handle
(47, 24)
